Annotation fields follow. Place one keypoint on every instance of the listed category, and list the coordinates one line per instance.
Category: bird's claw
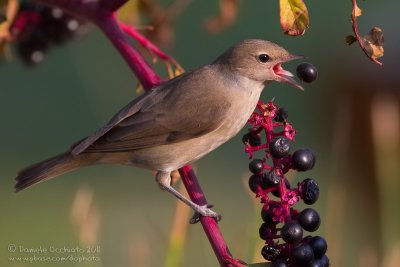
(204, 210)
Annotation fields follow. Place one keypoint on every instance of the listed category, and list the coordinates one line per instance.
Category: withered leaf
(373, 42)
(293, 16)
(350, 39)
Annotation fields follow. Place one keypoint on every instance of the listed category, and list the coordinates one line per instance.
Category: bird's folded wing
(165, 115)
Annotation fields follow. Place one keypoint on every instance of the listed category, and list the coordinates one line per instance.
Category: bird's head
(259, 60)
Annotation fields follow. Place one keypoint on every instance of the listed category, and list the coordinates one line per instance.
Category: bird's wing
(170, 113)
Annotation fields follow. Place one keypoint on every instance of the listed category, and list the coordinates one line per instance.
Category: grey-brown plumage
(179, 121)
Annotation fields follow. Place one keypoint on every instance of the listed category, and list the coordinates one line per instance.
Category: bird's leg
(164, 180)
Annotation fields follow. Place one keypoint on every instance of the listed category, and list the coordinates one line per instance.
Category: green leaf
(294, 16)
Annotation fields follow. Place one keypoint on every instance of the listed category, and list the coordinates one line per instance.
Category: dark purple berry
(281, 115)
(255, 181)
(309, 219)
(277, 192)
(325, 261)
(279, 147)
(251, 139)
(256, 166)
(303, 159)
(319, 246)
(271, 178)
(302, 254)
(267, 230)
(270, 252)
(307, 72)
(292, 232)
(309, 191)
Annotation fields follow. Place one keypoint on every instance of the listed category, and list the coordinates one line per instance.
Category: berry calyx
(303, 159)
(279, 147)
(292, 232)
(309, 219)
(306, 72)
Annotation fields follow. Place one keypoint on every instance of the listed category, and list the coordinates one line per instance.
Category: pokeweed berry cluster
(283, 227)
(37, 27)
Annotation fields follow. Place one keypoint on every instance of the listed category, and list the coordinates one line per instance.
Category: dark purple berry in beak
(307, 72)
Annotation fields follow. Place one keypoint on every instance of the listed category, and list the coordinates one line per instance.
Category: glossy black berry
(279, 263)
(325, 261)
(256, 166)
(270, 252)
(309, 219)
(267, 230)
(302, 254)
(319, 246)
(307, 72)
(303, 159)
(267, 215)
(251, 139)
(292, 232)
(271, 178)
(279, 147)
(281, 115)
(277, 192)
(255, 181)
(309, 191)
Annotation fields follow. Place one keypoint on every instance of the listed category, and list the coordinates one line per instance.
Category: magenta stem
(146, 75)
(209, 224)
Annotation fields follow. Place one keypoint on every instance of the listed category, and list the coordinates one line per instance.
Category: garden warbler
(178, 121)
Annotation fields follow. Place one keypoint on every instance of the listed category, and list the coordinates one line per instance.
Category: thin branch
(209, 224)
(359, 39)
(143, 41)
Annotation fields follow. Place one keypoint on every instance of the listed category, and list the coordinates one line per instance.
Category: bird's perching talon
(204, 210)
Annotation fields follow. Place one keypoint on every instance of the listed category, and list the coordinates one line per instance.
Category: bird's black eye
(263, 58)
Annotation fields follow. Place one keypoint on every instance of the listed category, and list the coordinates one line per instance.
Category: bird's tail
(50, 168)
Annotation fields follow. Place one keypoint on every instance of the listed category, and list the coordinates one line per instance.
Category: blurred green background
(349, 117)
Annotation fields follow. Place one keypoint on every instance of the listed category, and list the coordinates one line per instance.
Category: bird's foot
(204, 210)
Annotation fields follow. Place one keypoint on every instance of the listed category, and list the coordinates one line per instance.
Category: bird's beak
(285, 76)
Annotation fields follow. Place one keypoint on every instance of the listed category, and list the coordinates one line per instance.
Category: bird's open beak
(284, 75)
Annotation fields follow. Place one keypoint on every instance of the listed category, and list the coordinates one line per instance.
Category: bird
(179, 121)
